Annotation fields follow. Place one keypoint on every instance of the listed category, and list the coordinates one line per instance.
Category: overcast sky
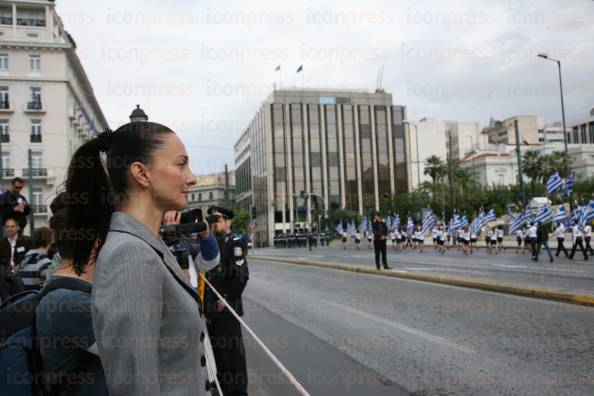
(204, 67)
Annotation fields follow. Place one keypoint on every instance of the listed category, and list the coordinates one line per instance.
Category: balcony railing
(5, 20)
(5, 138)
(36, 138)
(30, 22)
(8, 172)
(39, 209)
(4, 104)
(34, 106)
(35, 172)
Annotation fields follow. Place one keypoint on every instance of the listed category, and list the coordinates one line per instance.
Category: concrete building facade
(47, 105)
(339, 148)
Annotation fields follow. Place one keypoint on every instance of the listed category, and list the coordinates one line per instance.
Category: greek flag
(396, 222)
(587, 213)
(560, 216)
(455, 223)
(339, 228)
(389, 222)
(491, 216)
(409, 225)
(517, 222)
(576, 215)
(363, 225)
(554, 183)
(568, 189)
(528, 214)
(369, 227)
(351, 229)
(478, 222)
(428, 222)
(464, 221)
(545, 214)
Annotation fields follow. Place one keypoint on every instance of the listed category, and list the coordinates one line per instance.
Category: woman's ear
(139, 173)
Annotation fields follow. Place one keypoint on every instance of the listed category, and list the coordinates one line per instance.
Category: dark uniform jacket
(380, 230)
(229, 278)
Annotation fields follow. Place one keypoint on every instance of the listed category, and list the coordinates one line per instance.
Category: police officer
(380, 234)
(229, 278)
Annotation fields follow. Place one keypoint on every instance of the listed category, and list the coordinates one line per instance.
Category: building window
(35, 131)
(6, 15)
(34, 63)
(3, 62)
(37, 196)
(210, 196)
(4, 131)
(31, 17)
(36, 160)
(5, 162)
(4, 104)
(199, 197)
(35, 103)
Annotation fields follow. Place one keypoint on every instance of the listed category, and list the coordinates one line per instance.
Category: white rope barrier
(278, 363)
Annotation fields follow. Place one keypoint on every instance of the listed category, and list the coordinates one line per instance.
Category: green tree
(533, 165)
(241, 221)
(434, 167)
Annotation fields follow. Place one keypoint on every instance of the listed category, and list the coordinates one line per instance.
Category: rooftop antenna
(380, 76)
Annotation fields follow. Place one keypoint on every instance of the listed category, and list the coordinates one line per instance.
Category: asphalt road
(571, 276)
(347, 333)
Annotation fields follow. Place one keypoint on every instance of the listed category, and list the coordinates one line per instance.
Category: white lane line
(509, 266)
(399, 326)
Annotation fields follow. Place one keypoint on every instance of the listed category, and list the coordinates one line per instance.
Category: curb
(472, 284)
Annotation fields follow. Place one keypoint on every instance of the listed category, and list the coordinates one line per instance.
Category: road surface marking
(404, 328)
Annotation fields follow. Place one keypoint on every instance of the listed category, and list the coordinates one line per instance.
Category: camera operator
(189, 248)
(229, 278)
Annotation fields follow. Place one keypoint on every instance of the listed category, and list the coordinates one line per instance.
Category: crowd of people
(532, 238)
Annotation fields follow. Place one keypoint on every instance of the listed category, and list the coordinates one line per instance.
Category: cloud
(205, 67)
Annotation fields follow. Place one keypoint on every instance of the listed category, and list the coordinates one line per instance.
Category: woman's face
(170, 174)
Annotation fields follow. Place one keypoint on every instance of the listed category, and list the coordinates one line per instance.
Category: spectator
(13, 246)
(33, 268)
(15, 205)
(542, 237)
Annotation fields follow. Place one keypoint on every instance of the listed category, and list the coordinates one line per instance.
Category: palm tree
(434, 167)
(533, 165)
(552, 162)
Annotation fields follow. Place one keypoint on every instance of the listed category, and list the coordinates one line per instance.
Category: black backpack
(21, 368)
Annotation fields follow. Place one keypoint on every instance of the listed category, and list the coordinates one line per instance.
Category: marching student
(519, 240)
(532, 239)
(499, 236)
(434, 232)
(393, 239)
(464, 235)
(578, 240)
(420, 238)
(344, 240)
(588, 238)
(370, 240)
(473, 239)
(559, 233)
(441, 239)
(357, 239)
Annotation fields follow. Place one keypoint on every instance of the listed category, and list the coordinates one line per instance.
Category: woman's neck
(143, 210)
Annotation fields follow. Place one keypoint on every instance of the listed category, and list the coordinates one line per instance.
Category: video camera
(191, 221)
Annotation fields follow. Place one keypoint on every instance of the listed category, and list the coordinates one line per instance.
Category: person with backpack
(33, 268)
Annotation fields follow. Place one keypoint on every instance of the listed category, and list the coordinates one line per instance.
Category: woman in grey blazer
(145, 313)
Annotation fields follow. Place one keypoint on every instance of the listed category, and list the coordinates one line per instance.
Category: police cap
(226, 213)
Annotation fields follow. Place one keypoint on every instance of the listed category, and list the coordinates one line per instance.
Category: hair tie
(105, 139)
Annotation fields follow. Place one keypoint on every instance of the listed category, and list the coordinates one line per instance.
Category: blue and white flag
(396, 222)
(560, 215)
(528, 216)
(389, 223)
(464, 221)
(429, 222)
(491, 216)
(339, 228)
(455, 223)
(363, 224)
(517, 222)
(587, 213)
(568, 189)
(554, 183)
(409, 225)
(545, 214)
(369, 227)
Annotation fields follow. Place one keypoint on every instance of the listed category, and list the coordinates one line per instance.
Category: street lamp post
(545, 56)
(418, 168)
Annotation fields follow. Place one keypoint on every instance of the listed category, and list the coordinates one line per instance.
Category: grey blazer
(147, 326)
